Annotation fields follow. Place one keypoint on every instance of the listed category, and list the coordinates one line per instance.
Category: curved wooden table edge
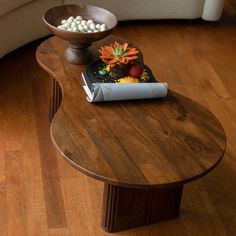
(113, 182)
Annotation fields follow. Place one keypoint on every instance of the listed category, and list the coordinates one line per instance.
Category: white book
(99, 92)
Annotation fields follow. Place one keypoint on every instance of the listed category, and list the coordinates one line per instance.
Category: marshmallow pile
(78, 24)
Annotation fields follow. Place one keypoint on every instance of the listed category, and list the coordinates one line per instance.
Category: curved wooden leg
(125, 208)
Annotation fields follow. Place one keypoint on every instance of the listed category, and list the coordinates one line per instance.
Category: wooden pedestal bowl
(77, 51)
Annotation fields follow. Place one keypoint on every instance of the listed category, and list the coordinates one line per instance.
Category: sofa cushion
(148, 9)
(24, 25)
(10, 5)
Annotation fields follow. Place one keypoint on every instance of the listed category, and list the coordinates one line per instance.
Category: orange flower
(118, 54)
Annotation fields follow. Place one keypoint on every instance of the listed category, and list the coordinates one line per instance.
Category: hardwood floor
(40, 194)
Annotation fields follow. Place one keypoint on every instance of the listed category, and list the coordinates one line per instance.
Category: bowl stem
(78, 53)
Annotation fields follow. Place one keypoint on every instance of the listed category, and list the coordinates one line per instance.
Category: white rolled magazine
(99, 92)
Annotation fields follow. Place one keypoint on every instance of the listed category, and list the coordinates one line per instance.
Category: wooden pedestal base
(125, 208)
(78, 53)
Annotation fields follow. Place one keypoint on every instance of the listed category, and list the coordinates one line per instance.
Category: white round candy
(98, 26)
(63, 27)
(89, 31)
(73, 24)
(63, 22)
(80, 27)
(85, 27)
(75, 29)
(95, 31)
(89, 22)
(103, 28)
(83, 22)
(70, 20)
(82, 30)
(79, 18)
(103, 25)
(69, 29)
(67, 25)
(92, 26)
(78, 22)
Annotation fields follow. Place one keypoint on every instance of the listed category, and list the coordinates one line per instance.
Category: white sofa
(21, 20)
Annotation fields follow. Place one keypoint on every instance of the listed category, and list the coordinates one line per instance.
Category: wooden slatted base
(55, 98)
(125, 208)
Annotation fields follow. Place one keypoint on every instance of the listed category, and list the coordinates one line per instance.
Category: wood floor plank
(3, 199)
(16, 206)
(56, 215)
(35, 204)
(204, 217)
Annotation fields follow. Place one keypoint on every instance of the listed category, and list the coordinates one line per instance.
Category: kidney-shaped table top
(143, 143)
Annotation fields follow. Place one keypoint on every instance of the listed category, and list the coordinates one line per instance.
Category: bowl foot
(78, 54)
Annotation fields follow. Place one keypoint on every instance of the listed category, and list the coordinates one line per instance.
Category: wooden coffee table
(144, 151)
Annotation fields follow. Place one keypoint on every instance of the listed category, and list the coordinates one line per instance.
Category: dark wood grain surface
(147, 143)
